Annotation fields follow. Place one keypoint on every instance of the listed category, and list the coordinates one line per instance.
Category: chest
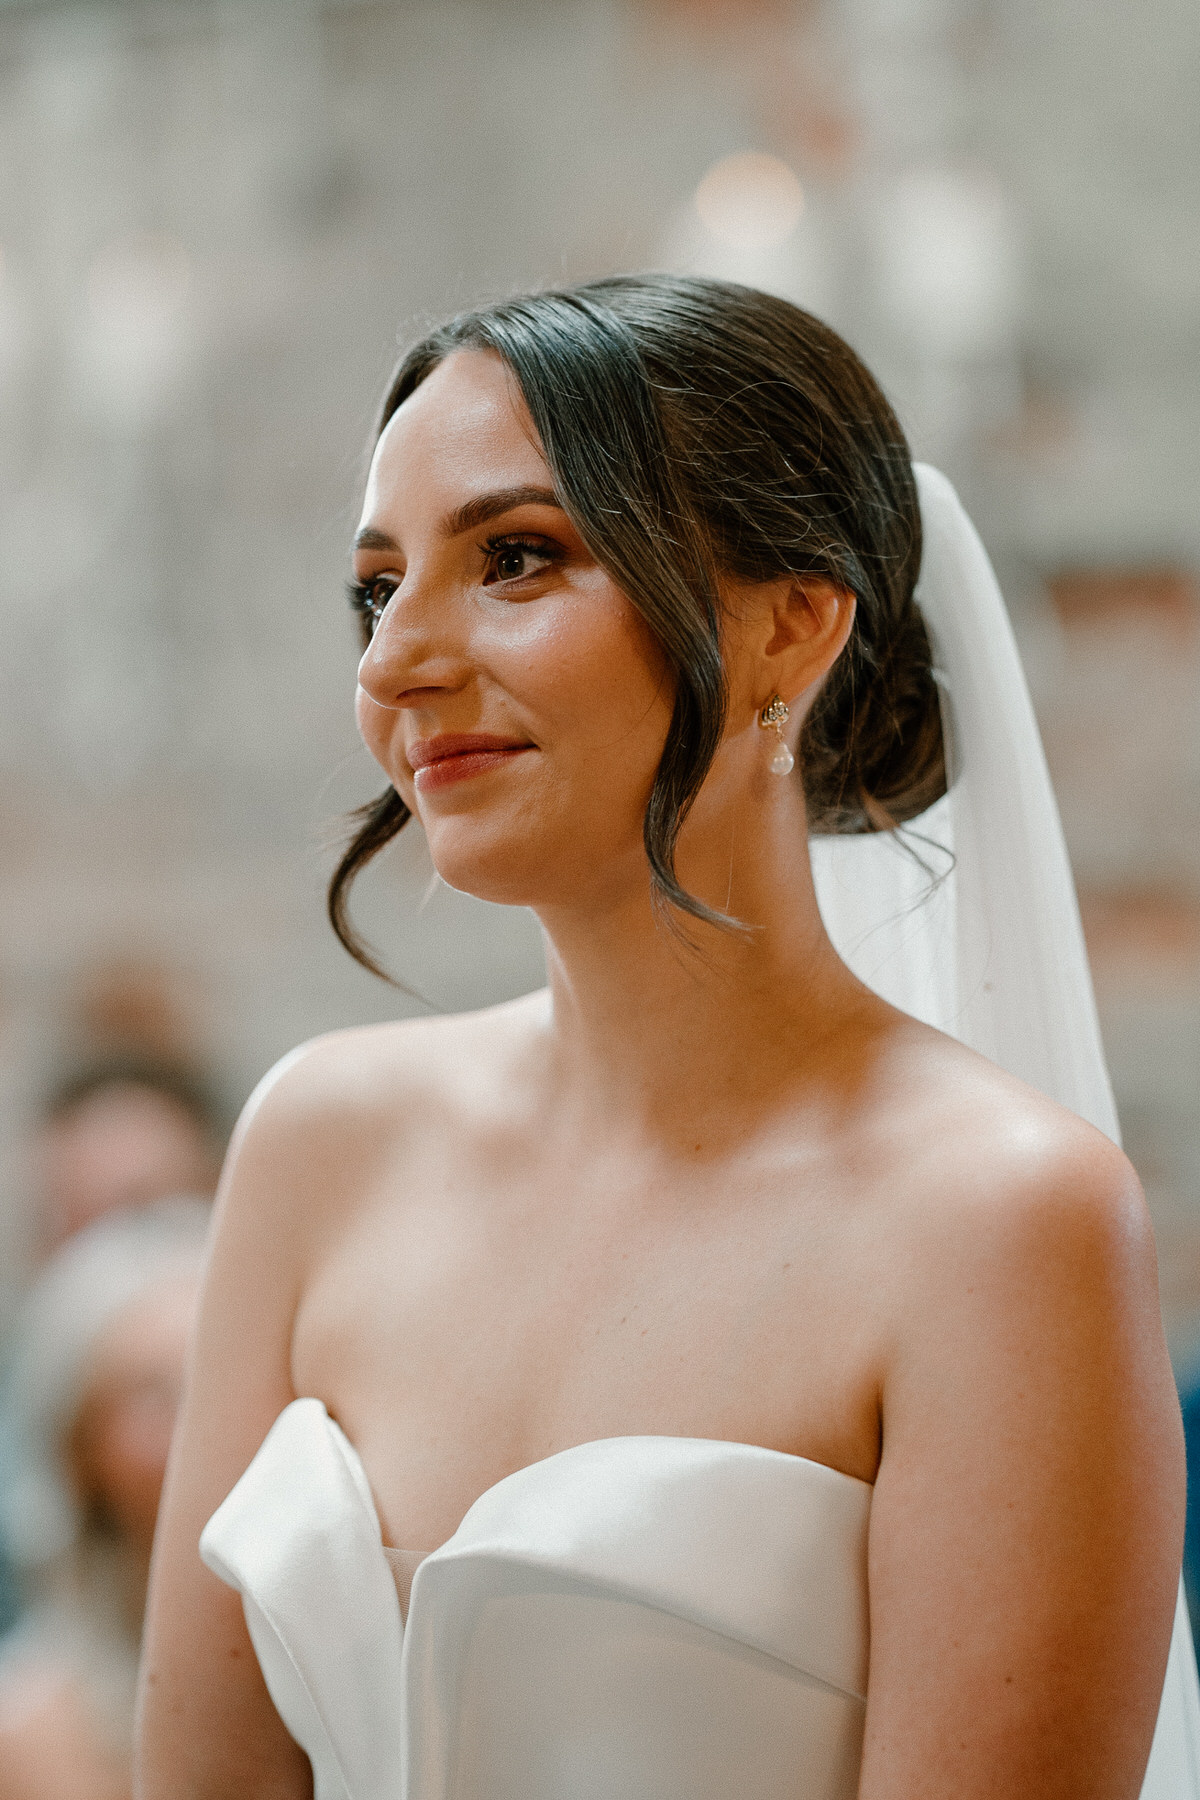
(467, 1323)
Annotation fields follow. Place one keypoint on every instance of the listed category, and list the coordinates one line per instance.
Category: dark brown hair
(697, 428)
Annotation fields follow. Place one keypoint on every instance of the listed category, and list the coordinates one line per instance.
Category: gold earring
(775, 714)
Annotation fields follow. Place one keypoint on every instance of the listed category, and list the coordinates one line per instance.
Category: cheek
(592, 676)
(381, 730)
(367, 717)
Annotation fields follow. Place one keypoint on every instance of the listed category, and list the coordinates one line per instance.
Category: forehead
(466, 428)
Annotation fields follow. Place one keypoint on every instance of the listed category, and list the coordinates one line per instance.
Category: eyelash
(545, 550)
(359, 594)
(366, 602)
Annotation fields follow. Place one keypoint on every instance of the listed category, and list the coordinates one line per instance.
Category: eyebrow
(470, 515)
(488, 506)
(370, 539)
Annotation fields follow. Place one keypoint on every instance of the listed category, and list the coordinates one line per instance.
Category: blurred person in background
(95, 1384)
(124, 1130)
(120, 1132)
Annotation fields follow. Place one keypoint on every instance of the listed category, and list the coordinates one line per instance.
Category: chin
(486, 865)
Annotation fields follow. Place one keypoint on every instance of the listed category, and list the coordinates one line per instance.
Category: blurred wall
(215, 218)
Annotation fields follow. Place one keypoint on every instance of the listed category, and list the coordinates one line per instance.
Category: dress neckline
(588, 1446)
(621, 1598)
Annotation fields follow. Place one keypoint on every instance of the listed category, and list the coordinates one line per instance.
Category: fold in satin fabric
(654, 1617)
(404, 1565)
(299, 1538)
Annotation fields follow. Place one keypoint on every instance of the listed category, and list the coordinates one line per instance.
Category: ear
(809, 621)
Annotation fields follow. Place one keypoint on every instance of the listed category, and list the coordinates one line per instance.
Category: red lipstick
(437, 762)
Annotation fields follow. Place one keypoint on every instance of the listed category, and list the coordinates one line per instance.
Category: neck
(666, 1030)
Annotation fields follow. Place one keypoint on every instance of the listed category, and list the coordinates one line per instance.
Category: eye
(517, 558)
(368, 599)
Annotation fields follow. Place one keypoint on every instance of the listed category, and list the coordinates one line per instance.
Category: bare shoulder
(1020, 1259)
(348, 1075)
(360, 1065)
(314, 1140)
(319, 1120)
(1004, 1178)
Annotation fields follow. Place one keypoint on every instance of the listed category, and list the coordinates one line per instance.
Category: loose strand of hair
(378, 821)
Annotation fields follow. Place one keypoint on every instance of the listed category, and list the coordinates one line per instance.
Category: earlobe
(773, 717)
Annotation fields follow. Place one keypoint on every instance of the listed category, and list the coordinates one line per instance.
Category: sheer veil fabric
(968, 919)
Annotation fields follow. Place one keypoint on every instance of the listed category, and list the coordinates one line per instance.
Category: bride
(767, 1390)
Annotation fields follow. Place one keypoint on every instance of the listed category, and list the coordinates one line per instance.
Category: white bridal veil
(992, 952)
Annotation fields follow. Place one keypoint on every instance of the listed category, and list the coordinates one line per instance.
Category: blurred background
(218, 219)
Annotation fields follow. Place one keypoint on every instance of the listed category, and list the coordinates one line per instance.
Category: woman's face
(515, 698)
(121, 1145)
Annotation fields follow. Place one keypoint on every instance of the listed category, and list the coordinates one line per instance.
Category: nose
(412, 652)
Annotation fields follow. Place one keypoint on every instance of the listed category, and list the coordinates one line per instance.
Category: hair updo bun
(697, 429)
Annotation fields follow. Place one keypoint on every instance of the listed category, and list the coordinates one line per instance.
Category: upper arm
(1027, 1520)
(208, 1727)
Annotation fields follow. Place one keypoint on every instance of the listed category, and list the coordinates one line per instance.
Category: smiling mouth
(441, 761)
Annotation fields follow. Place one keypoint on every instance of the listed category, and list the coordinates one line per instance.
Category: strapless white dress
(641, 1618)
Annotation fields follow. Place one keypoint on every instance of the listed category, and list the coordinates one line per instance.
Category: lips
(457, 756)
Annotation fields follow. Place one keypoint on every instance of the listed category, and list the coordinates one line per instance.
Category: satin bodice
(639, 1618)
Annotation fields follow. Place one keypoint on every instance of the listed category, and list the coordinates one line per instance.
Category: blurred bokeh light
(750, 201)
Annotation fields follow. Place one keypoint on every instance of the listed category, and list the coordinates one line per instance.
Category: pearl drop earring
(775, 713)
